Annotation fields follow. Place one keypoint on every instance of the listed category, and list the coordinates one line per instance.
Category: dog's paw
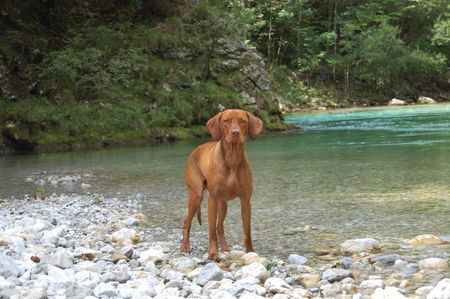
(214, 256)
(226, 249)
(186, 248)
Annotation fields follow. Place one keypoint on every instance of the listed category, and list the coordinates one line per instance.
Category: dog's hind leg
(195, 184)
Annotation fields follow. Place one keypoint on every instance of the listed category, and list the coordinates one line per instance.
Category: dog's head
(234, 125)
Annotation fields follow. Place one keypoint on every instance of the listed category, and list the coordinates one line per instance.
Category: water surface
(381, 172)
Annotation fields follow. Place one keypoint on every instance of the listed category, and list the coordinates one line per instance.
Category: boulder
(396, 102)
(425, 100)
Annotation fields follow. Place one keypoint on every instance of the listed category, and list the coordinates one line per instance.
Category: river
(382, 173)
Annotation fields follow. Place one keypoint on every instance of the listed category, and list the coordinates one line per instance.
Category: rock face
(426, 239)
(425, 100)
(234, 56)
(396, 102)
(360, 245)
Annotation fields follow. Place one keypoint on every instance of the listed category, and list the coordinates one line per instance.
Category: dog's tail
(199, 215)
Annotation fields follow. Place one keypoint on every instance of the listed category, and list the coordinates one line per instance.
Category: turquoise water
(376, 172)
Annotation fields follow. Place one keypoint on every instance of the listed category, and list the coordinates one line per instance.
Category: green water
(382, 173)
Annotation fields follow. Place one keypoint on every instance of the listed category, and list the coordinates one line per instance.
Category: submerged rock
(387, 259)
(295, 259)
(426, 239)
(333, 275)
(433, 263)
(360, 245)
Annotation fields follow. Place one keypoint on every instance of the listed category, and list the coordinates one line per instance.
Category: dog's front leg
(212, 223)
(246, 213)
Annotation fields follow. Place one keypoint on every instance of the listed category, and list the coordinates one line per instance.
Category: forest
(76, 73)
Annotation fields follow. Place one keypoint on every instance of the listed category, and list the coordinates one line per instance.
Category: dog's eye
(225, 121)
(242, 121)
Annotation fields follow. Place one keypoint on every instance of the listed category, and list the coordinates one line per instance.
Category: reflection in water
(381, 173)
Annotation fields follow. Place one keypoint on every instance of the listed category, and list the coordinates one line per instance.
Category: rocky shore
(88, 246)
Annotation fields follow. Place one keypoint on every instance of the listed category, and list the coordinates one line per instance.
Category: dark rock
(387, 259)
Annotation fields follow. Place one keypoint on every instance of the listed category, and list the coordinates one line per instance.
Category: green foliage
(386, 63)
(381, 47)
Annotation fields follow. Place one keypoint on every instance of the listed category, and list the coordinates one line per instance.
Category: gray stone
(346, 262)
(56, 289)
(76, 291)
(410, 269)
(59, 275)
(387, 293)
(423, 291)
(360, 245)
(59, 258)
(387, 259)
(208, 273)
(119, 274)
(185, 264)
(84, 253)
(295, 259)
(441, 290)
(34, 293)
(276, 285)
(41, 225)
(51, 237)
(221, 294)
(433, 263)
(105, 289)
(333, 275)
(8, 266)
(396, 102)
(5, 239)
(255, 269)
(369, 286)
(425, 100)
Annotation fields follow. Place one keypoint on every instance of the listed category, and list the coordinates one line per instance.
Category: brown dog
(221, 167)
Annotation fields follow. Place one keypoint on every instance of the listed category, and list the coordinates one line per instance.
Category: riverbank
(89, 245)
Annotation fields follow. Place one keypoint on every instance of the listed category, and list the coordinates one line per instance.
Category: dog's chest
(229, 185)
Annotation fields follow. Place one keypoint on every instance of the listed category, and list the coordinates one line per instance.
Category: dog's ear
(255, 126)
(214, 126)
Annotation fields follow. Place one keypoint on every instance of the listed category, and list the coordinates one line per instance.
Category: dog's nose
(235, 132)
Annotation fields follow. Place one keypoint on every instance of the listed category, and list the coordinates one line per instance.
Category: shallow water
(378, 172)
